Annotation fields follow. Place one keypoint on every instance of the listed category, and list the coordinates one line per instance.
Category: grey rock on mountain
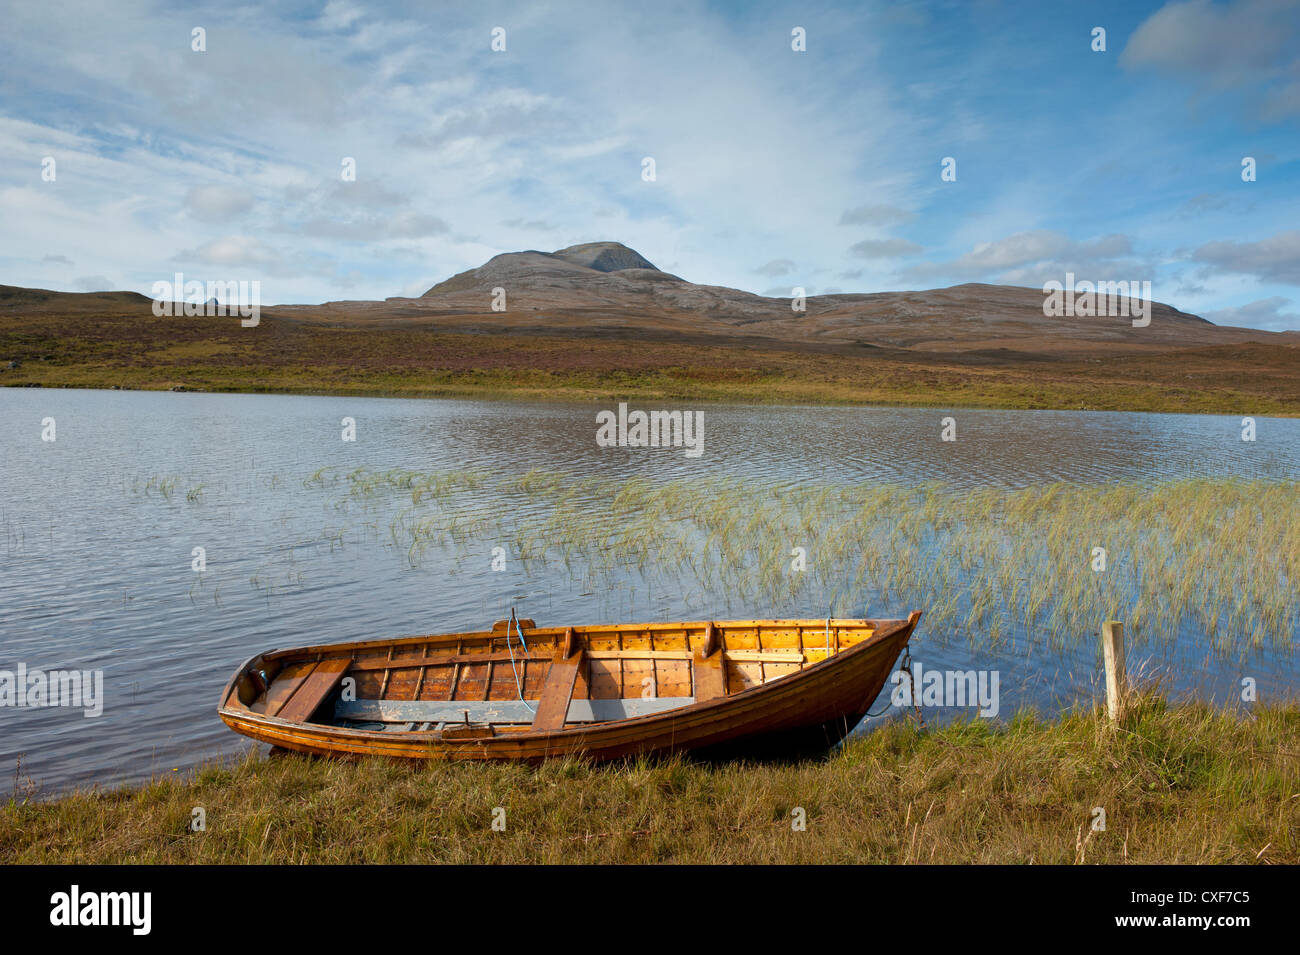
(605, 257)
(576, 265)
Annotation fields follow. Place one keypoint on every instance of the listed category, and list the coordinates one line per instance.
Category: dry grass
(1180, 784)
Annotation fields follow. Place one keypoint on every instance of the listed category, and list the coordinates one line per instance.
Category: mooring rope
(515, 619)
(518, 686)
(906, 667)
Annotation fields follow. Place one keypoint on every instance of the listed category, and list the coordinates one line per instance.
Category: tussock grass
(1179, 783)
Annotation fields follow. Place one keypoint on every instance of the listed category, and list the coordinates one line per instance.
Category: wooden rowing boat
(738, 687)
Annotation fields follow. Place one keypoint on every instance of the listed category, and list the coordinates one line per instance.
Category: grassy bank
(1183, 784)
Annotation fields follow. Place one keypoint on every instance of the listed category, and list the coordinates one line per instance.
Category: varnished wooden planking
(473, 681)
(313, 691)
(464, 641)
(779, 637)
(368, 684)
(388, 673)
(557, 692)
(581, 688)
(404, 712)
(602, 641)
(446, 659)
(534, 678)
(437, 683)
(637, 641)
(604, 679)
(710, 676)
(670, 640)
(743, 675)
(638, 678)
(742, 638)
(673, 677)
(285, 685)
(419, 682)
(774, 671)
(402, 682)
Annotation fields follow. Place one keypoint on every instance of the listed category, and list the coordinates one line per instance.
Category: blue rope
(518, 630)
(518, 686)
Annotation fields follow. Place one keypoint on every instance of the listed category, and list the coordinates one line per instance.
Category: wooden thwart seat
(285, 685)
(313, 690)
(710, 667)
(557, 691)
(710, 676)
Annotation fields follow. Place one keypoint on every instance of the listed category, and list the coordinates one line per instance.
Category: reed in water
(1218, 559)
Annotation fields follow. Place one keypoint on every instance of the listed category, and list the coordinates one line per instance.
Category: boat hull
(802, 712)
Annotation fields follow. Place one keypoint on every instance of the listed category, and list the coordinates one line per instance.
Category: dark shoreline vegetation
(1179, 783)
(119, 345)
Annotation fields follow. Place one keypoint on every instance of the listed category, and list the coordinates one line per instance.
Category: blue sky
(774, 168)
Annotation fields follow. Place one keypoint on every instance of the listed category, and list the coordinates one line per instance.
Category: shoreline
(1179, 782)
(756, 395)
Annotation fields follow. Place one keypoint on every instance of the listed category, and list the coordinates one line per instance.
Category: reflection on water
(99, 530)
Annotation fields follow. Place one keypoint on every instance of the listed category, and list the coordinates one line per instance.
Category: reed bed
(1217, 559)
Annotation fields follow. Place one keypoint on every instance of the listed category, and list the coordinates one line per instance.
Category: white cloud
(372, 228)
(218, 203)
(234, 251)
(338, 15)
(1275, 259)
(1243, 44)
(776, 267)
(1024, 256)
(875, 215)
(1266, 313)
(884, 248)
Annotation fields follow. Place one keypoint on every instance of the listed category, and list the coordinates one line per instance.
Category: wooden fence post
(1112, 648)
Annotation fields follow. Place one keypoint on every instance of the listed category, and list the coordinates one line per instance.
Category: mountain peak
(604, 257)
(576, 263)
